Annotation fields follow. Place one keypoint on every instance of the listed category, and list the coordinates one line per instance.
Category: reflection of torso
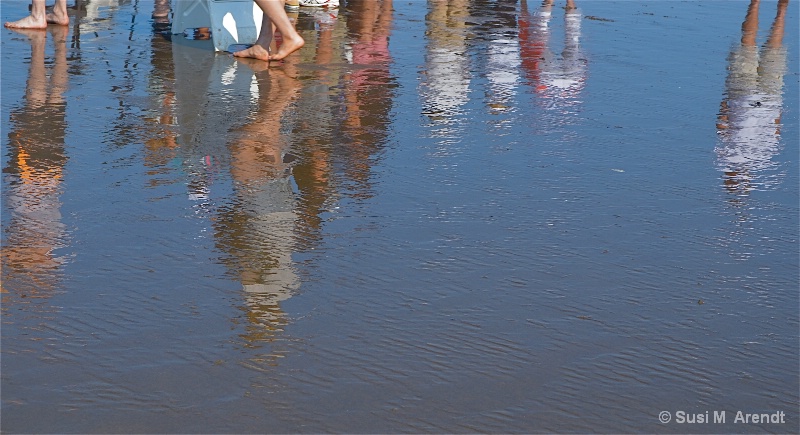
(503, 70)
(271, 224)
(750, 134)
(268, 276)
(448, 86)
(564, 76)
(93, 10)
(557, 78)
(533, 38)
(446, 77)
(43, 127)
(33, 195)
(374, 52)
(39, 163)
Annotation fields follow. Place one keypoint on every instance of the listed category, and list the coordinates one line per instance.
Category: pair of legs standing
(275, 18)
(40, 18)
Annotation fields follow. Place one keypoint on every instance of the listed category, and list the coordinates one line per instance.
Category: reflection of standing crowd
(347, 101)
(517, 51)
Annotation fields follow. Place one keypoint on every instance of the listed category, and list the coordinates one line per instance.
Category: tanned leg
(261, 49)
(291, 40)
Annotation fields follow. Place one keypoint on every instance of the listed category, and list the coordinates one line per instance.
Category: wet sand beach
(454, 216)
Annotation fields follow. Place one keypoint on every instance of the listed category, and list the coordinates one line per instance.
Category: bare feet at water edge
(61, 19)
(28, 22)
(38, 19)
(31, 22)
(254, 52)
(287, 47)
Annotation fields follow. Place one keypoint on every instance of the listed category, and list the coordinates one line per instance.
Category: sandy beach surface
(453, 216)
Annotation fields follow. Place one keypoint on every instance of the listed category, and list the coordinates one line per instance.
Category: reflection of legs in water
(37, 78)
(39, 91)
(275, 18)
(39, 18)
(775, 39)
(550, 3)
(534, 36)
(572, 36)
(370, 24)
(257, 155)
(772, 63)
(750, 25)
(560, 77)
(58, 80)
(161, 10)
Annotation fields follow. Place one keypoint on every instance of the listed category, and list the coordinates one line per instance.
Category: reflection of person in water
(35, 172)
(502, 52)
(314, 131)
(162, 145)
(446, 84)
(368, 95)
(750, 114)
(257, 230)
(558, 79)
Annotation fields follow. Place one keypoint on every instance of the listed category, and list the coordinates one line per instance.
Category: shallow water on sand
(454, 216)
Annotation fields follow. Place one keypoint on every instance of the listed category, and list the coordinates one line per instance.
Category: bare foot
(60, 18)
(254, 52)
(29, 22)
(287, 47)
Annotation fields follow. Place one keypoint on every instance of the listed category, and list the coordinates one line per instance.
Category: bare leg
(292, 41)
(59, 15)
(256, 154)
(261, 49)
(36, 20)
